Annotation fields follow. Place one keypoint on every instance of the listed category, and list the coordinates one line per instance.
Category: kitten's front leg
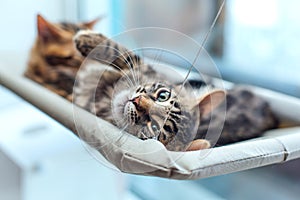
(198, 144)
(105, 50)
(87, 40)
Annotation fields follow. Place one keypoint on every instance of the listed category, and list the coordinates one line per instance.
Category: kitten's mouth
(133, 113)
(136, 114)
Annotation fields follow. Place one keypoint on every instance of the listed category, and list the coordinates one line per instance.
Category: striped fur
(126, 93)
(135, 107)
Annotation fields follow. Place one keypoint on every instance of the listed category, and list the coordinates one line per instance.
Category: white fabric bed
(150, 157)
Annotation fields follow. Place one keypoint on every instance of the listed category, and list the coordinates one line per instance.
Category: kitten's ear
(210, 101)
(92, 23)
(46, 30)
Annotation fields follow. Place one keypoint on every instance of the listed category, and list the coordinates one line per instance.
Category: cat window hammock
(137, 156)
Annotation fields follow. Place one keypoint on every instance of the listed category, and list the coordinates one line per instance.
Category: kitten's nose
(136, 100)
(141, 103)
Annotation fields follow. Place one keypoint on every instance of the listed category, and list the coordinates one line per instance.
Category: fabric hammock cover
(132, 155)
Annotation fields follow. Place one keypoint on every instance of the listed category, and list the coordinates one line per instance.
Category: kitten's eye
(56, 60)
(59, 57)
(163, 95)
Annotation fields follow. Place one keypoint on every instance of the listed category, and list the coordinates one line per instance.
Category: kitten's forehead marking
(140, 89)
(153, 87)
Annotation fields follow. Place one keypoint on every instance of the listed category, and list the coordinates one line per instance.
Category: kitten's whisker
(121, 54)
(128, 78)
(120, 69)
(196, 58)
(136, 68)
(143, 134)
(202, 45)
(108, 143)
(157, 57)
(119, 138)
(132, 67)
(121, 121)
(128, 61)
(142, 63)
(132, 64)
(92, 143)
(121, 131)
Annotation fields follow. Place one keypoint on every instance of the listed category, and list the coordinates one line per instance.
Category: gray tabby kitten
(133, 96)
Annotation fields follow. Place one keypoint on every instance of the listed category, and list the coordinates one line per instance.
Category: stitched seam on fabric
(239, 160)
(209, 166)
(286, 152)
(169, 170)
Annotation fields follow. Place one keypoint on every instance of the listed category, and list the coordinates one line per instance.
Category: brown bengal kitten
(134, 97)
(54, 60)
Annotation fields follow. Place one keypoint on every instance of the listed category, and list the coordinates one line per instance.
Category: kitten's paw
(198, 145)
(83, 33)
(86, 40)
